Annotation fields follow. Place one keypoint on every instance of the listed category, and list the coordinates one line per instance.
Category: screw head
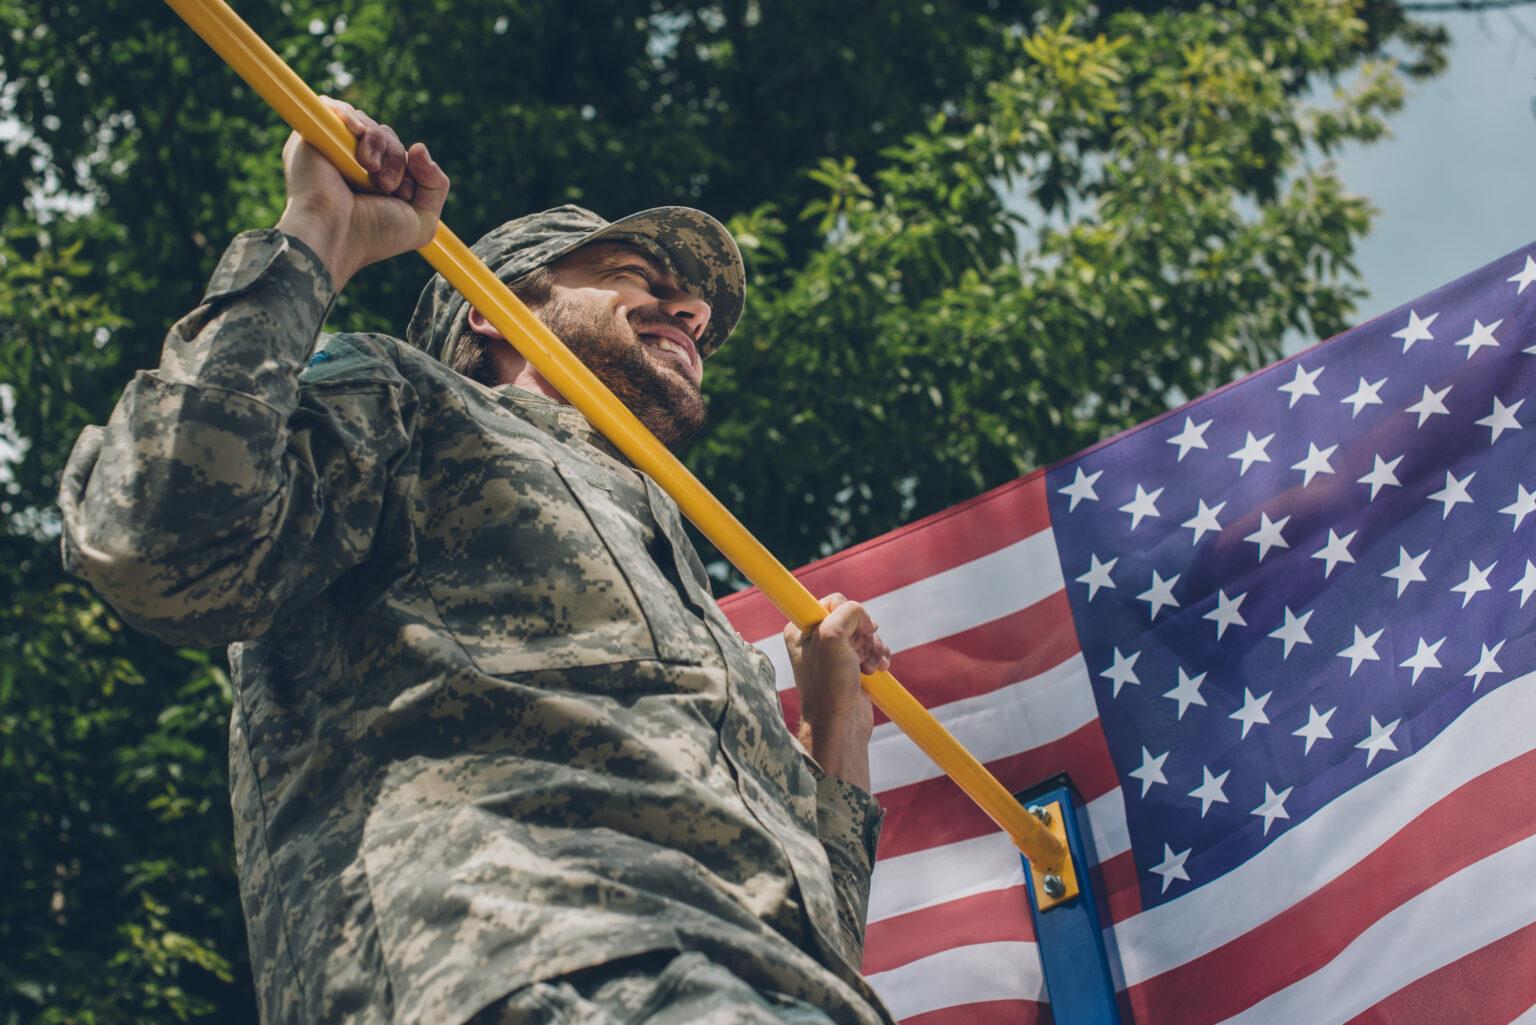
(1042, 813)
(1054, 887)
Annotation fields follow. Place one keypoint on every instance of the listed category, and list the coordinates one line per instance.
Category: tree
(1120, 222)
(980, 237)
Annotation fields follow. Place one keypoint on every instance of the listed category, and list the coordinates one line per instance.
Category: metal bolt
(1041, 813)
(1054, 887)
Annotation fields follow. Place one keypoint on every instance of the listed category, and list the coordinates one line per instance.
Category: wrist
(321, 234)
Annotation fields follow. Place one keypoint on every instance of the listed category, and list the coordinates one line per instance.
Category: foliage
(981, 235)
(1178, 222)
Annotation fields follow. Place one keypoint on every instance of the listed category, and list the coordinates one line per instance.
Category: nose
(694, 312)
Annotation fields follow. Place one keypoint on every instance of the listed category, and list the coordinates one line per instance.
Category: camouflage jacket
(489, 725)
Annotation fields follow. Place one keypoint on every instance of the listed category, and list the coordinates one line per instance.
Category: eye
(637, 272)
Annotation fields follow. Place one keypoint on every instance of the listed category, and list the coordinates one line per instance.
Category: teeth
(667, 345)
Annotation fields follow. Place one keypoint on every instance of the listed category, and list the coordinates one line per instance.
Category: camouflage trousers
(663, 988)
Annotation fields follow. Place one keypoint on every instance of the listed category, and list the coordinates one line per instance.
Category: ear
(480, 326)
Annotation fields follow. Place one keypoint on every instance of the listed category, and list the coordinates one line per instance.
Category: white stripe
(1106, 817)
(1484, 902)
(962, 975)
(942, 874)
(955, 600)
(1492, 731)
(999, 724)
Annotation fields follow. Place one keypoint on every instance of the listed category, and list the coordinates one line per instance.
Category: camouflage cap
(693, 246)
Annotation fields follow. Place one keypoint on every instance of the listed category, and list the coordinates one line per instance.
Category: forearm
(840, 746)
(848, 825)
(257, 322)
(194, 509)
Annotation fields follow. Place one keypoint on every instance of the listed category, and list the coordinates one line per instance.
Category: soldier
(496, 755)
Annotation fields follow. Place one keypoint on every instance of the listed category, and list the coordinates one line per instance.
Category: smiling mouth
(669, 349)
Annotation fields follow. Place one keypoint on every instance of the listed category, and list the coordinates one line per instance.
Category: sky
(1456, 182)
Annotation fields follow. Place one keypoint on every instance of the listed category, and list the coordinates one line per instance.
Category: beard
(662, 398)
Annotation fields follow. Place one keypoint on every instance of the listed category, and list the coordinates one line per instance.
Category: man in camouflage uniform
(496, 755)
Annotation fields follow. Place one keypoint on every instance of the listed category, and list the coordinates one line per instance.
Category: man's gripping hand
(351, 230)
(836, 715)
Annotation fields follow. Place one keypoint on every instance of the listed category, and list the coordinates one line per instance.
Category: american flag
(1281, 639)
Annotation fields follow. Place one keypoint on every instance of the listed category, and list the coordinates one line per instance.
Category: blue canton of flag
(1290, 585)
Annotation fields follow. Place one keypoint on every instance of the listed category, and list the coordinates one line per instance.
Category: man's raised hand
(349, 229)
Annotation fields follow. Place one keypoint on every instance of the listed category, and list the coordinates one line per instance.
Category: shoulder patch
(339, 357)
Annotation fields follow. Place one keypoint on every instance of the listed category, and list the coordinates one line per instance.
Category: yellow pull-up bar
(277, 83)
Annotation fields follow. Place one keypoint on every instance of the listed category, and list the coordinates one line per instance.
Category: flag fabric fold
(1281, 640)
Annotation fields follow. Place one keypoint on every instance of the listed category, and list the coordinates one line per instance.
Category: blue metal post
(1071, 941)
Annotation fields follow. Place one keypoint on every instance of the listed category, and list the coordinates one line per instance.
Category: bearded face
(649, 382)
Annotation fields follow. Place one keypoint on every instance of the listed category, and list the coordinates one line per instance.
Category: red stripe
(1482, 817)
(981, 660)
(933, 812)
(991, 1012)
(990, 917)
(946, 539)
(1122, 887)
(1490, 986)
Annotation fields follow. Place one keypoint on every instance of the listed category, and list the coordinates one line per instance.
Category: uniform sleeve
(219, 493)
(848, 825)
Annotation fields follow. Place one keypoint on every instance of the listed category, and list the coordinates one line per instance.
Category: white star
(1252, 712)
(1433, 402)
(1098, 575)
(1225, 613)
(1477, 581)
(1142, 506)
(1187, 692)
(1363, 395)
(1315, 463)
(1293, 631)
(1362, 649)
(1252, 452)
(1204, 520)
(1525, 277)
(1501, 419)
(1382, 475)
(1151, 770)
(1422, 659)
(1302, 384)
(1172, 866)
(1316, 728)
(1380, 739)
(1453, 492)
(1081, 488)
(1123, 671)
(1192, 436)
(1486, 663)
(1335, 551)
(1416, 331)
(1273, 807)
(1408, 569)
(1268, 535)
(1523, 505)
(1209, 791)
(1526, 585)
(1159, 594)
(1481, 337)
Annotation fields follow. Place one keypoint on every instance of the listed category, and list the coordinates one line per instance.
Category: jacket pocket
(518, 566)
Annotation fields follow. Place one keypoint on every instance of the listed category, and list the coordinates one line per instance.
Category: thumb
(431, 185)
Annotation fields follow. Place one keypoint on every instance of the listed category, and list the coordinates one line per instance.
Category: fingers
(850, 623)
(379, 151)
